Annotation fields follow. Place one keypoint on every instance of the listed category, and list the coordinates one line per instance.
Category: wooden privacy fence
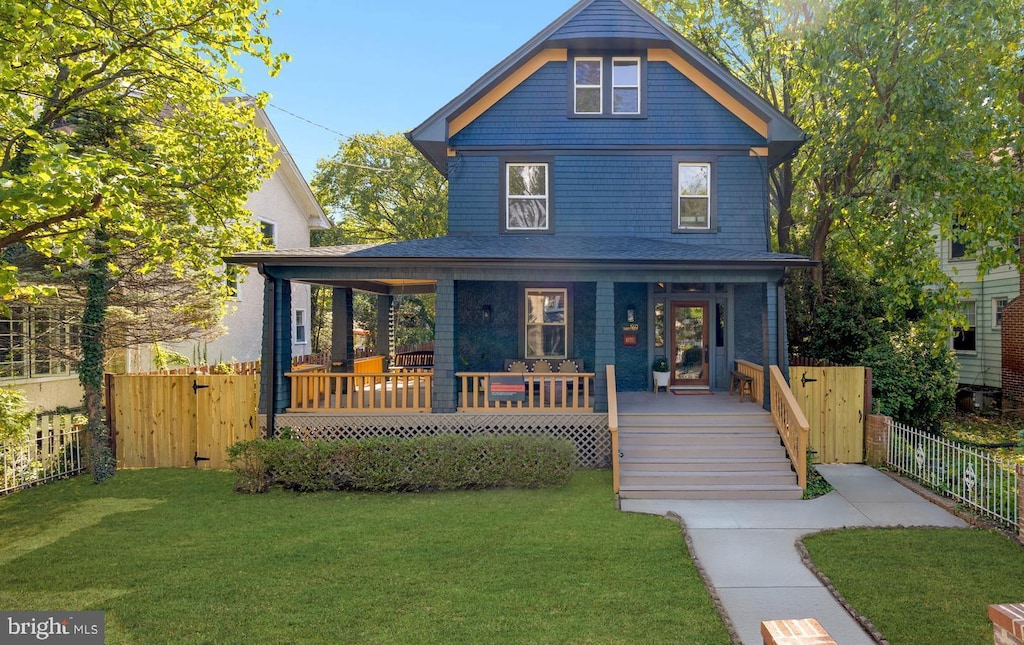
(160, 421)
(834, 400)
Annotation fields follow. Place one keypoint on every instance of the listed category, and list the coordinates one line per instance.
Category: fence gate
(181, 420)
(832, 399)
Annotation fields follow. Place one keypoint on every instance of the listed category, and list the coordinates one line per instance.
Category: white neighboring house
(978, 345)
(287, 210)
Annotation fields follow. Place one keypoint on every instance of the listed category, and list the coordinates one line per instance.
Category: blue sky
(365, 65)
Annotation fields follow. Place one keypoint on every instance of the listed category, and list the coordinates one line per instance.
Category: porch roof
(468, 250)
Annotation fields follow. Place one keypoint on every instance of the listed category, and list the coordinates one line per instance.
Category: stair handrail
(791, 423)
(613, 425)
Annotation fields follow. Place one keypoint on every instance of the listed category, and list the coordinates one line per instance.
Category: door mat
(685, 391)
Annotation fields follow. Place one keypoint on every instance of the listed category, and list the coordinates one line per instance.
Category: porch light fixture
(630, 315)
(485, 313)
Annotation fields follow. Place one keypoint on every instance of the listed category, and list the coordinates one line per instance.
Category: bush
(389, 464)
(913, 378)
(15, 418)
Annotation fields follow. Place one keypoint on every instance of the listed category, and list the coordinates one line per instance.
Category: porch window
(693, 196)
(998, 305)
(588, 73)
(546, 323)
(527, 203)
(964, 337)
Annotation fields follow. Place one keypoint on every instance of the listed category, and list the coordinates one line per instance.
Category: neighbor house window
(527, 197)
(957, 246)
(693, 196)
(300, 327)
(546, 329)
(36, 341)
(588, 82)
(964, 337)
(998, 305)
(625, 86)
(269, 230)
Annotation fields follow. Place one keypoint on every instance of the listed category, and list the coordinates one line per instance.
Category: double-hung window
(596, 92)
(588, 95)
(527, 197)
(693, 209)
(547, 318)
(998, 305)
(36, 341)
(300, 327)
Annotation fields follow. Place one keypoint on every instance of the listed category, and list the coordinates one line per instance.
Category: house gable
(611, 26)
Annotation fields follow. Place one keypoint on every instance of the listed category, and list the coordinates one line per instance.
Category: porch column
(604, 341)
(444, 397)
(275, 388)
(341, 330)
(383, 345)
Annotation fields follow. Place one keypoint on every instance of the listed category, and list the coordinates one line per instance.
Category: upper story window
(588, 95)
(598, 93)
(625, 86)
(694, 207)
(527, 197)
(269, 230)
(957, 247)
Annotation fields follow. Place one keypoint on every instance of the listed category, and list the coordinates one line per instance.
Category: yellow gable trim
(706, 84)
(759, 152)
(474, 110)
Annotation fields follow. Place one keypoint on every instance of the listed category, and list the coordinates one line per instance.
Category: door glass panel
(688, 328)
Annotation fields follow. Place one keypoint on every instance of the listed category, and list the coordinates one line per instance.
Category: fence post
(1020, 503)
(876, 439)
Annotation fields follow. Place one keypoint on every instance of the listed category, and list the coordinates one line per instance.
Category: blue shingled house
(608, 204)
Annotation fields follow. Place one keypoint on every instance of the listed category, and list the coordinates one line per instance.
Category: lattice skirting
(588, 431)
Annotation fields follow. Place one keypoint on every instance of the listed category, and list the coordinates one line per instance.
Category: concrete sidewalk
(747, 548)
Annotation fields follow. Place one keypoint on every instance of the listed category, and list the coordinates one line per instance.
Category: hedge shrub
(389, 464)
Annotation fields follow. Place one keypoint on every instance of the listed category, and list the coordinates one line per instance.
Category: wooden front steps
(727, 455)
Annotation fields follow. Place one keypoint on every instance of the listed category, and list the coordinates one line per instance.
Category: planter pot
(661, 379)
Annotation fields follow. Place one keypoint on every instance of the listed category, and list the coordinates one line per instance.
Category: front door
(690, 344)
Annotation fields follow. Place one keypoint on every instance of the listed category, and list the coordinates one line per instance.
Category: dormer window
(597, 93)
(588, 85)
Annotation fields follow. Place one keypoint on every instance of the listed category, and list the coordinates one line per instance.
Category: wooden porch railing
(755, 372)
(791, 423)
(613, 425)
(368, 365)
(545, 392)
(360, 392)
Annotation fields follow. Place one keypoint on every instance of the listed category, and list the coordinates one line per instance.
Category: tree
(377, 188)
(117, 135)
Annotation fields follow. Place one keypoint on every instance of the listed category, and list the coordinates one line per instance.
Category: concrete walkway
(747, 549)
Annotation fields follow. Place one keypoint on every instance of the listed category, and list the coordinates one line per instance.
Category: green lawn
(174, 556)
(923, 586)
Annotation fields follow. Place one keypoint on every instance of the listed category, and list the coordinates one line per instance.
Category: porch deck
(718, 402)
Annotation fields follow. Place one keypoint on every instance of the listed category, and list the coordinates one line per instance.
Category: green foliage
(390, 464)
(120, 115)
(660, 364)
(378, 188)
(165, 358)
(913, 377)
(15, 417)
(816, 484)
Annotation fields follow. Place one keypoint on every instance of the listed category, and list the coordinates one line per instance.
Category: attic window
(588, 85)
(597, 94)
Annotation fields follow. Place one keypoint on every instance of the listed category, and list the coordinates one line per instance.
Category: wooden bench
(742, 383)
(412, 361)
